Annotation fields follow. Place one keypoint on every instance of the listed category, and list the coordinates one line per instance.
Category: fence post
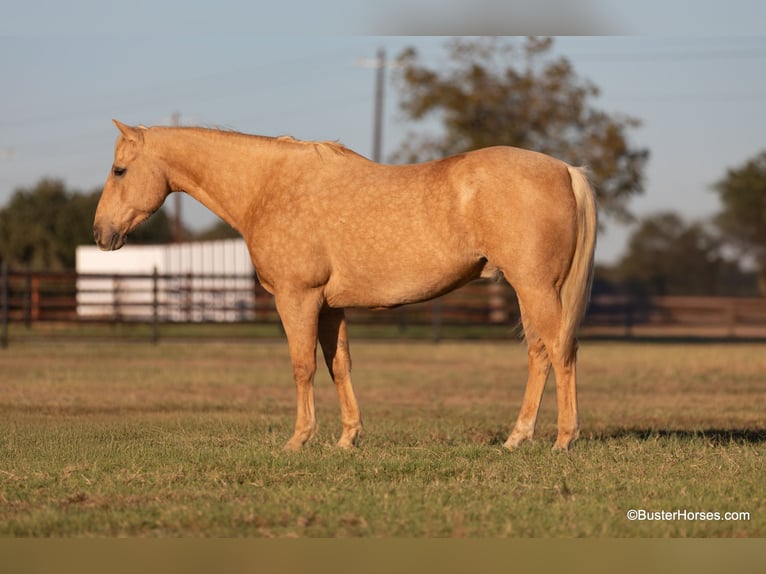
(732, 316)
(436, 319)
(402, 319)
(629, 319)
(4, 306)
(155, 307)
(116, 298)
(27, 299)
(34, 298)
(498, 305)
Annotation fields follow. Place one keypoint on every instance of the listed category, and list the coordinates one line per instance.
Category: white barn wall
(181, 298)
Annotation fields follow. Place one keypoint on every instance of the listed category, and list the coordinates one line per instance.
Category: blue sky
(700, 91)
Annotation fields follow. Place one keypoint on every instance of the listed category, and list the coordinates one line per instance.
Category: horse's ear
(130, 133)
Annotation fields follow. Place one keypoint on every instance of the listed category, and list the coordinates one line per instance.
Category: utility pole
(380, 64)
(380, 82)
(177, 222)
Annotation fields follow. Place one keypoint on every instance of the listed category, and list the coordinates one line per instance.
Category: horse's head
(135, 188)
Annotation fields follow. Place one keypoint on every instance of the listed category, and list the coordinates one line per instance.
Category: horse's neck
(211, 167)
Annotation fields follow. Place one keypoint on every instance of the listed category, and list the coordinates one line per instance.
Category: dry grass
(185, 438)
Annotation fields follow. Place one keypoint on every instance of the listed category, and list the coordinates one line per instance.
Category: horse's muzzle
(108, 241)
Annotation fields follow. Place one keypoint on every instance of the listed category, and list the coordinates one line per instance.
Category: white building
(197, 281)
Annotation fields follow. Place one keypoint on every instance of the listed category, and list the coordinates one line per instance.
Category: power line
(668, 55)
(691, 98)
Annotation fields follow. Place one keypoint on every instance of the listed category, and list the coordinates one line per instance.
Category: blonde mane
(335, 147)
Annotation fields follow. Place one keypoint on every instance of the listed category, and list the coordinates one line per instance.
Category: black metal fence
(481, 309)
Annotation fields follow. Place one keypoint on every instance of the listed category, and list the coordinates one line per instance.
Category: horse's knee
(303, 370)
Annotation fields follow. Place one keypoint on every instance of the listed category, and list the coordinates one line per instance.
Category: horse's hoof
(515, 441)
(348, 443)
(293, 446)
(562, 446)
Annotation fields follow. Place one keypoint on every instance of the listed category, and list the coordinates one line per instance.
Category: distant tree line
(666, 255)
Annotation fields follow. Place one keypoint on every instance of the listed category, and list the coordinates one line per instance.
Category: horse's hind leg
(333, 338)
(542, 308)
(539, 366)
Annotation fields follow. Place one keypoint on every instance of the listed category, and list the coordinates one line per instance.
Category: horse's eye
(119, 171)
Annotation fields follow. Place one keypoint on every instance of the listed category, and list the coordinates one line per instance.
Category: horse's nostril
(106, 239)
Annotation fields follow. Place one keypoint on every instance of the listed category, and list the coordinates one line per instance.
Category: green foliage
(219, 230)
(743, 219)
(41, 227)
(157, 229)
(743, 195)
(495, 92)
(666, 256)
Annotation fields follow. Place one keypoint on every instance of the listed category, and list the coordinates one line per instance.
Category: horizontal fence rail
(479, 309)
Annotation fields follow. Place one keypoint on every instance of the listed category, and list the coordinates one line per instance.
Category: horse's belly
(397, 287)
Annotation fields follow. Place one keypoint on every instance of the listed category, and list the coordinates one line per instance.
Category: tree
(666, 256)
(218, 230)
(36, 227)
(41, 227)
(495, 92)
(157, 229)
(743, 219)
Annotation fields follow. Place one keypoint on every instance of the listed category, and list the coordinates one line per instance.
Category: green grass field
(109, 439)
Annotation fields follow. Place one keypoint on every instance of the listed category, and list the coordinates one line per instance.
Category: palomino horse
(329, 229)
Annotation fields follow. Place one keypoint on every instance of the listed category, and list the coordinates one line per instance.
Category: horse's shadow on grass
(714, 436)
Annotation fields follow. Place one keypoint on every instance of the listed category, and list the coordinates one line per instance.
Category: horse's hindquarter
(524, 214)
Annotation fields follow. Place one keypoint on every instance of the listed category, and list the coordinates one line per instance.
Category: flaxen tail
(575, 292)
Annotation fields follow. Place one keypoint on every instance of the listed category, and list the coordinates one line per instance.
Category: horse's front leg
(300, 313)
(333, 337)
